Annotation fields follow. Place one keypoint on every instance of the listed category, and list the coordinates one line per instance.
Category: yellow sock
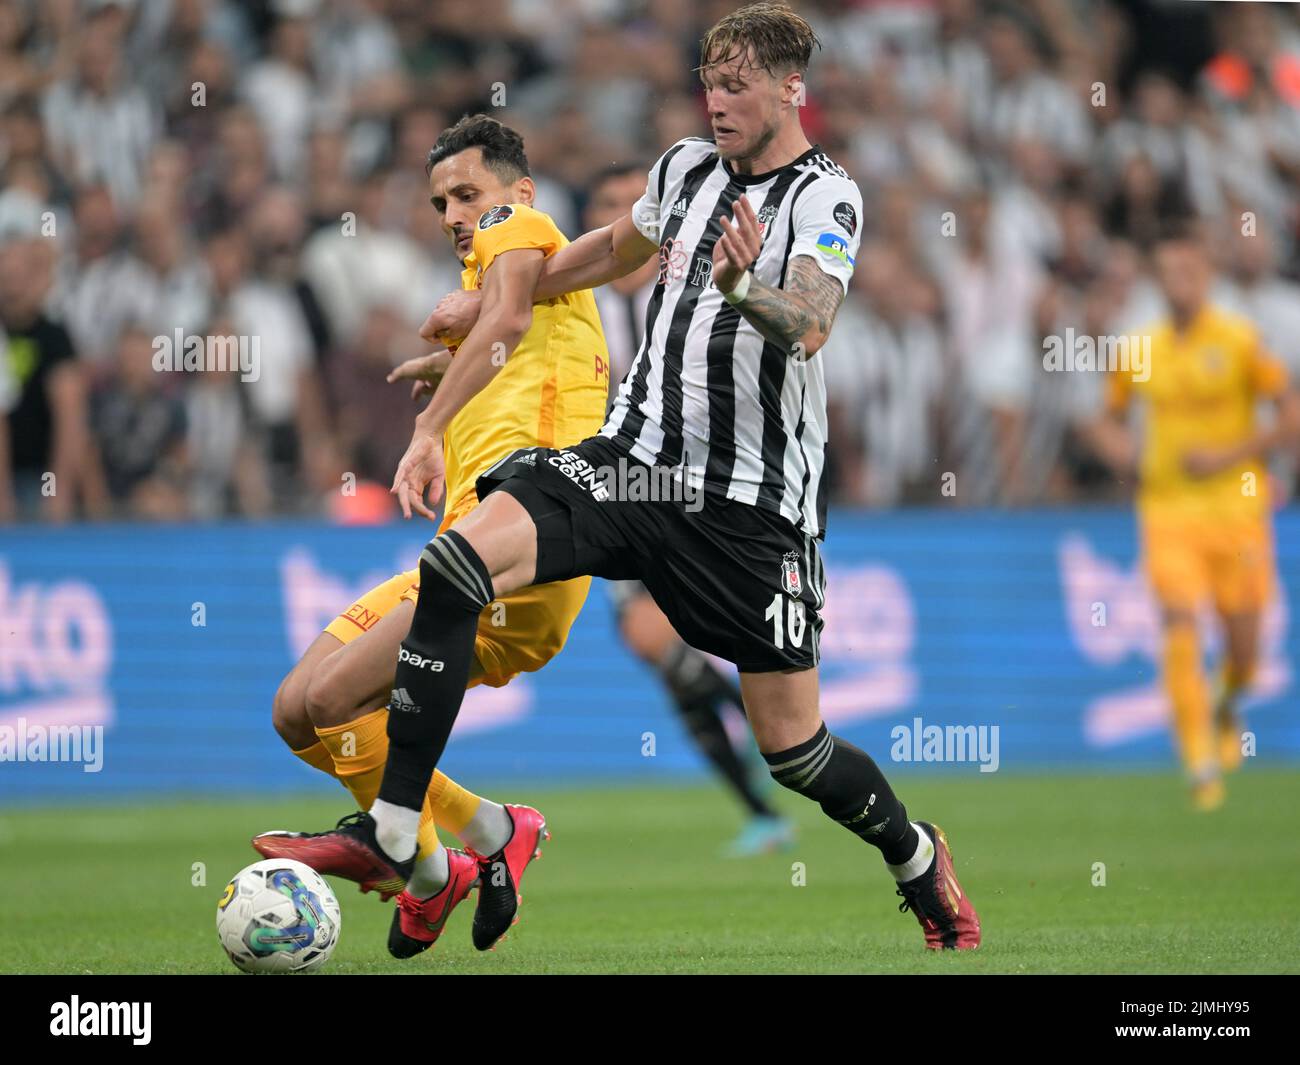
(359, 749)
(318, 757)
(453, 806)
(1185, 683)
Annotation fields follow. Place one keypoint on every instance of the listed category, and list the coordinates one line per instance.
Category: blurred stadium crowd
(255, 168)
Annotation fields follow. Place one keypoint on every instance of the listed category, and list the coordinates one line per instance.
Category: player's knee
(645, 630)
(1242, 643)
(326, 700)
(289, 715)
(1177, 619)
(637, 640)
(453, 581)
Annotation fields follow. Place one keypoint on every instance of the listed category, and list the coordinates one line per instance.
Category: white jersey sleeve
(828, 226)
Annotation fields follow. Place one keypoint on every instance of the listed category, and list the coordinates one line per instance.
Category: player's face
(461, 188)
(745, 104)
(1183, 271)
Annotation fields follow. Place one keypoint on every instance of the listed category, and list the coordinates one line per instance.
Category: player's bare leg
(700, 692)
(850, 788)
(358, 676)
(289, 715)
(647, 632)
(503, 535)
(1189, 699)
(1241, 653)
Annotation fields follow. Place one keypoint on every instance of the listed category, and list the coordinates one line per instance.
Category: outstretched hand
(738, 247)
(424, 370)
(421, 469)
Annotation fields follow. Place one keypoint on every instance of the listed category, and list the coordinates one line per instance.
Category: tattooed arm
(801, 312)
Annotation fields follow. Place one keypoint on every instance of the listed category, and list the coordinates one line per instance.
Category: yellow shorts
(517, 633)
(1229, 561)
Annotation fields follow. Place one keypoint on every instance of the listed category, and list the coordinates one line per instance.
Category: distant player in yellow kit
(544, 384)
(1203, 500)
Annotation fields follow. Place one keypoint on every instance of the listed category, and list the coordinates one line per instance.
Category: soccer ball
(278, 916)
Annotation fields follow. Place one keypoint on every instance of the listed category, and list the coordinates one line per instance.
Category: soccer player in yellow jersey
(545, 384)
(1202, 498)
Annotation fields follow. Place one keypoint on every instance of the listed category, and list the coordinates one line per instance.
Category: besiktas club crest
(790, 574)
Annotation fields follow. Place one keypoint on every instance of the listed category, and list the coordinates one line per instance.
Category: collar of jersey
(758, 179)
(469, 271)
(1203, 320)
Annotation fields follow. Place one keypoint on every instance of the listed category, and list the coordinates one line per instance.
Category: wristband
(741, 290)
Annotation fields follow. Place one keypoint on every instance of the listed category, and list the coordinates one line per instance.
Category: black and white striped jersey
(707, 392)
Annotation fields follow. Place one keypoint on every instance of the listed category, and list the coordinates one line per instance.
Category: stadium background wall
(174, 638)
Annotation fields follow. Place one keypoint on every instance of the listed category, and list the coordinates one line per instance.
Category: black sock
(433, 666)
(699, 689)
(851, 789)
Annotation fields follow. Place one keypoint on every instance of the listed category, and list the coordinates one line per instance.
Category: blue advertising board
(168, 642)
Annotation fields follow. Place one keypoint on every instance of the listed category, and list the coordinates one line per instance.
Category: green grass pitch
(632, 882)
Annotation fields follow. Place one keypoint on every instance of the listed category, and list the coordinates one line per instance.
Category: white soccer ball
(278, 916)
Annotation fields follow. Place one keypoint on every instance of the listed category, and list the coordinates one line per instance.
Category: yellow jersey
(552, 390)
(1200, 391)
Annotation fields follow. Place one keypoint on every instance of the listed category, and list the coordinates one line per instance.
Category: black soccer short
(735, 580)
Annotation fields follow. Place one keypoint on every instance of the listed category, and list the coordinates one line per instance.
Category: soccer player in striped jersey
(756, 231)
(702, 694)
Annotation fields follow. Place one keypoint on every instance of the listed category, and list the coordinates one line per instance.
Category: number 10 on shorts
(789, 618)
